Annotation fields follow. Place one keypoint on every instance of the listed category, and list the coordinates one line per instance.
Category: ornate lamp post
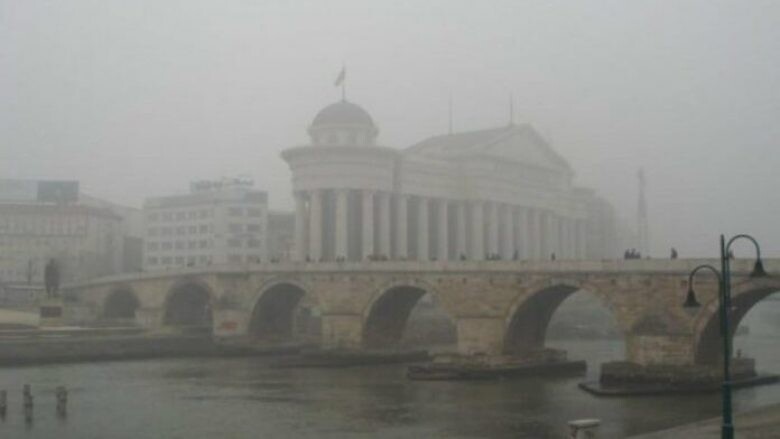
(724, 306)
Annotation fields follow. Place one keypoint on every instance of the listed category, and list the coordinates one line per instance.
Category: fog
(136, 99)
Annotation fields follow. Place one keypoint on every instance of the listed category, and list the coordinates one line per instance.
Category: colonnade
(343, 224)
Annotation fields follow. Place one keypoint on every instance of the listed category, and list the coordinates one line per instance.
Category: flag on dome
(341, 77)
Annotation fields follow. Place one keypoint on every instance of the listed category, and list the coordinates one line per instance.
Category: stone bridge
(498, 307)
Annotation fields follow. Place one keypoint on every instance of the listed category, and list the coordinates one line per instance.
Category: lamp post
(724, 306)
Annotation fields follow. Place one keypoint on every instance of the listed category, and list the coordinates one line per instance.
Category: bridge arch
(274, 311)
(189, 302)
(708, 341)
(529, 317)
(121, 304)
(385, 318)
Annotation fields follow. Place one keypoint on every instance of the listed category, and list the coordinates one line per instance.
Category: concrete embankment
(760, 423)
(36, 349)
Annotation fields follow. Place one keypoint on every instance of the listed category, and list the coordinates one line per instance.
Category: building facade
(500, 193)
(44, 220)
(223, 222)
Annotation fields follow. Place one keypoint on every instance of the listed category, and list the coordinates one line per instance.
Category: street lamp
(724, 306)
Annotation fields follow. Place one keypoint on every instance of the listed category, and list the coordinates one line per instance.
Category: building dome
(342, 113)
(343, 124)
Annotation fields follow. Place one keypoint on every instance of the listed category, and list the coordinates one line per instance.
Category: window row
(178, 216)
(178, 245)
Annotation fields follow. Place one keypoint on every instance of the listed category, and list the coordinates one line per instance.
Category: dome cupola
(343, 123)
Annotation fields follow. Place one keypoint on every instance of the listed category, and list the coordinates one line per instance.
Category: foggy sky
(138, 98)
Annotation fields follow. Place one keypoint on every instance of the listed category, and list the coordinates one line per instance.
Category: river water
(245, 398)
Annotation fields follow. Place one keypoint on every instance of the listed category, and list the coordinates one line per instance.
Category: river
(244, 397)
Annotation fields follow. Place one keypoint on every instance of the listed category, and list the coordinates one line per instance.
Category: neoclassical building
(493, 193)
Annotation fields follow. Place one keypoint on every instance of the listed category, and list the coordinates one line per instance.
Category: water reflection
(248, 398)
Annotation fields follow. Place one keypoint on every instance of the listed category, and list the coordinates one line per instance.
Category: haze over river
(245, 397)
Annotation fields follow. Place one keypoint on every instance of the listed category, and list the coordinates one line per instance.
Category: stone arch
(708, 342)
(529, 316)
(189, 302)
(274, 310)
(120, 303)
(384, 319)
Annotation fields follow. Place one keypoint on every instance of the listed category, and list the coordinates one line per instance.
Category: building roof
(342, 113)
(516, 143)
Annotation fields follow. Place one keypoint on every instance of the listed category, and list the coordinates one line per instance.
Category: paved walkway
(761, 423)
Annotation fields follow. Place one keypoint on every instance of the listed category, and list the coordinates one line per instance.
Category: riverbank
(760, 423)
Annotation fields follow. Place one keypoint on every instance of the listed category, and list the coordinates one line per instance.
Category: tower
(643, 232)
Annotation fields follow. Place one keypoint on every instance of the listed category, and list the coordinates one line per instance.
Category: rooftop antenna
(511, 109)
(643, 228)
(341, 80)
(449, 115)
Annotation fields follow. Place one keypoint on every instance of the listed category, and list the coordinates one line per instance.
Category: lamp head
(758, 269)
(690, 300)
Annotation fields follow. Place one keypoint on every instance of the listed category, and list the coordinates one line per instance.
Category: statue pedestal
(51, 312)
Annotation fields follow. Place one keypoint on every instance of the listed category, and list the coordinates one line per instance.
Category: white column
(477, 231)
(521, 235)
(315, 226)
(537, 229)
(571, 224)
(460, 238)
(581, 239)
(422, 230)
(341, 224)
(492, 223)
(401, 238)
(300, 227)
(384, 224)
(565, 237)
(549, 235)
(443, 233)
(508, 239)
(368, 224)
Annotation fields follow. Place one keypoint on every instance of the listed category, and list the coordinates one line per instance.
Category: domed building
(500, 193)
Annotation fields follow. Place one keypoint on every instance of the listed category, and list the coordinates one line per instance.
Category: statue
(52, 278)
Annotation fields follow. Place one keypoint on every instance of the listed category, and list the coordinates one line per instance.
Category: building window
(179, 260)
(253, 228)
(167, 246)
(203, 243)
(204, 228)
(190, 261)
(203, 259)
(151, 261)
(179, 245)
(193, 230)
(153, 217)
(179, 215)
(253, 243)
(191, 214)
(236, 211)
(236, 228)
(234, 259)
(167, 216)
(167, 260)
(166, 231)
(234, 243)
(255, 212)
(181, 230)
(152, 246)
(153, 231)
(192, 245)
